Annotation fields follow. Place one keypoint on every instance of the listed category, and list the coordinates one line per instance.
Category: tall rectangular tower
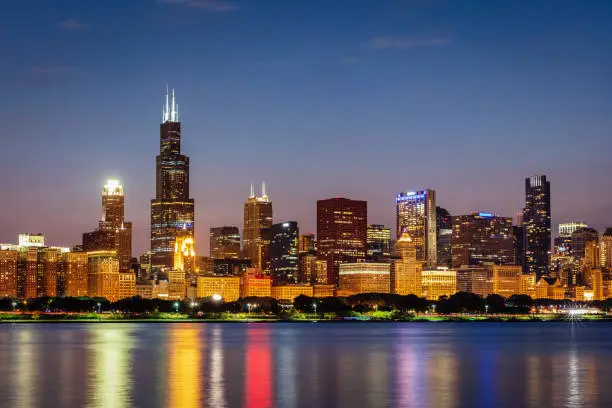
(172, 211)
(257, 218)
(342, 233)
(536, 218)
(416, 214)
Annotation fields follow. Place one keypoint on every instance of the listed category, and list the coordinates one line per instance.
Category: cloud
(73, 25)
(208, 5)
(51, 69)
(407, 43)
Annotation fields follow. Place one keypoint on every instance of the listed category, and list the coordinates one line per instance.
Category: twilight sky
(360, 99)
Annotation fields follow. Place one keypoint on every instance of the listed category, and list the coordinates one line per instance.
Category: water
(306, 365)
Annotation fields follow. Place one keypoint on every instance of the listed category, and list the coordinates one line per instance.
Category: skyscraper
(606, 248)
(113, 232)
(584, 241)
(172, 211)
(416, 214)
(379, 240)
(480, 238)
(537, 225)
(281, 257)
(444, 233)
(257, 218)
(341, 232)
(563, 242)
(406, 271)
(224, 243)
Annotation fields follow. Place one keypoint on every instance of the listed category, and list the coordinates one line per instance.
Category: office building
(281, 258)
(482, 237)
(606, 249)
(537, 225)
(172, 210)
(312, 270)
(306, 243)
(287, 293)
(478, 280)
(257, 218)
(75, 274)
(8, 273)
(378, 241)
(229, 267)
(585, 246)
(444, 234)
(127, 285)
(439, 282)
(225, 243)
(518, 236)
(254, 283)
(227, 287)
(364, 277)
(341, 233)
(416, 214)
(406, 271)
(103, 275)
(506, 279)
(113, 232)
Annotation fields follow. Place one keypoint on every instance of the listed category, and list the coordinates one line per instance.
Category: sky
(360, 99)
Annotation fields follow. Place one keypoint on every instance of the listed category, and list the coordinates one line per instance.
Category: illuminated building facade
(438, 282)
(287, 293)
(172, 211)
(480, 238)
(306, 243)
(537, 225)
(312, 270)
(567, 229)
(8, 273)
(103, 275)
(225, 243)
(606, 249)
(528, 284)
(416, 214)
(281, 259)
(365, 277)
(177, 284)
(406, 271)
(584, 243)
(257, 218)
(476, 280)
(127, 285)
(254, 283)
(323, 291)
(184, 255)
(113, 232)
(341, 232)
(444, 234)
(75, 274)
(228, 287)
(506, 279)
(378, 240)
(549, 288)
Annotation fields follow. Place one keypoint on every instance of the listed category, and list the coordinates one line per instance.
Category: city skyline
(309, 110)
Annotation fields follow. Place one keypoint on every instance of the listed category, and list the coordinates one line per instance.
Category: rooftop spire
(170, 109)
(252, 191)
(263, 189)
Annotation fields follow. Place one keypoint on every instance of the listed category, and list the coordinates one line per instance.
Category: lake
(259, 365)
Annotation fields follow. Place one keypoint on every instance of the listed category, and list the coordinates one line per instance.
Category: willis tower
(172, 211)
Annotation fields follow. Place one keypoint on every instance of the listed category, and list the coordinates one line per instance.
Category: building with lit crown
(172, 210)
(257, 218)
(365, 277)
(341, 232)
(416, 214)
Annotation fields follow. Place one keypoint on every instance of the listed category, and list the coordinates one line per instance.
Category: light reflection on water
(304, 365)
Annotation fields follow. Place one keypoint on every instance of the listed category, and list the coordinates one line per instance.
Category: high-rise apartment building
(606, 248)
(74, 274)
(341, 233)
(537, 225)
(480, 238)
(444, 234)
(9, 259)
(113, 232)
(225, 243)
(406, 271)
(103, 275)
(281, 258)
(416, 214)
(378, 240)
(257, 218)
(172, 211)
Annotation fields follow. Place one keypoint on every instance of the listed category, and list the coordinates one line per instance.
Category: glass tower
(536, 220)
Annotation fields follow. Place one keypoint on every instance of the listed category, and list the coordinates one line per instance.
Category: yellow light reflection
(109, 371)
(184, 366)
(26, 359)
(217, 384)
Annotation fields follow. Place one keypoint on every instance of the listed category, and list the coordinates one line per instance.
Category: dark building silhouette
(582, 239)
(224, 242)
(379, 241)
(341, 233)
(518, 233)
(281, 259)
(172, 211)
(230, 266)
(444, 232)
(536, 218)
(480, 238)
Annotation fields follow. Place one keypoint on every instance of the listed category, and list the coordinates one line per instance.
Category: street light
(14, 305)
(249, 307)
(217, 297)
(314, 305)
(99, 307)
